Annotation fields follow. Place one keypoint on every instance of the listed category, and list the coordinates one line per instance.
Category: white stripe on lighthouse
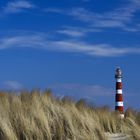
(119, 91)
(119, 80)
(119, 103)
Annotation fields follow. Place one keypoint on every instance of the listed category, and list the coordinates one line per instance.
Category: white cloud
(13, 85)
(40, 41)
(77, 31)
(17, 6)
(104, 50)
(72, 33)
(118, 18)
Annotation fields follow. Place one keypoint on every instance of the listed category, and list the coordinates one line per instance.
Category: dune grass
(40, 116)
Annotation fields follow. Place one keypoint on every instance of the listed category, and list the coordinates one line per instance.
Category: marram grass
(40, 116)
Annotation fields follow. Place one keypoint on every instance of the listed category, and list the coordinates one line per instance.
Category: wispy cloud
(17, 6)
(104, 50)
(77, 31)
(41, 41)
(12, 85)
(119, 18)
(72, 33)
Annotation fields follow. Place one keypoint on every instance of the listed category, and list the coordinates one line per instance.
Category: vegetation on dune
(40, 116)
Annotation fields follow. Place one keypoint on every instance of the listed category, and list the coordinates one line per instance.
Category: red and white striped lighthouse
(119, 98)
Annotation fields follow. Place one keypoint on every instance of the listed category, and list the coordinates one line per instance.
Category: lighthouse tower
(119, 98)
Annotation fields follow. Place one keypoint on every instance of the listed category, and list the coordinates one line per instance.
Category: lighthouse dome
(118, 73)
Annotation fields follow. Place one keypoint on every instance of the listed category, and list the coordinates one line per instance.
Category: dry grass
(40, 116)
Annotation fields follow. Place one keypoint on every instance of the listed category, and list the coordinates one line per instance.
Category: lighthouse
(119, 97)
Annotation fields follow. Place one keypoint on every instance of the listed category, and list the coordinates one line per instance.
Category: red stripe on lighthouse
(119, 98)
(118, 85)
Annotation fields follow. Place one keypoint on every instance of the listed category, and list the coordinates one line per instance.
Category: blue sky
(72, 47)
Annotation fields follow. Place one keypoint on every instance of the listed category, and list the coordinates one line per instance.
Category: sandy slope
(117, 136)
